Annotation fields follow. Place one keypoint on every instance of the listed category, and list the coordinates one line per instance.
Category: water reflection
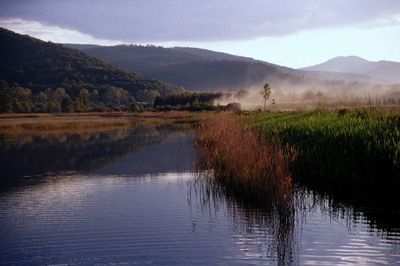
(32, 156)
(134, 200)
(314, 232)
(271, 229)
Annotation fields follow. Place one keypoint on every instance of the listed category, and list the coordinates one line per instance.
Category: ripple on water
(96, 219)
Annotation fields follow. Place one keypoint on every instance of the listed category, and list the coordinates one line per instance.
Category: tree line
(17, 99)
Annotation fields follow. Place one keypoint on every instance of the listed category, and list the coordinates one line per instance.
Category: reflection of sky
(147, 219)
(87, 219)
(327, 241)
(175, 154)
(140, 209)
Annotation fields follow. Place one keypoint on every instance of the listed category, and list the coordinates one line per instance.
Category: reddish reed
(242, 161)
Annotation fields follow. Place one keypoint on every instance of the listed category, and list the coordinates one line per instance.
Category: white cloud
(52, 33)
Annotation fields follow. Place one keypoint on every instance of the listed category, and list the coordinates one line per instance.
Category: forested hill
(200, 69)
(195, 69)
(29, 63)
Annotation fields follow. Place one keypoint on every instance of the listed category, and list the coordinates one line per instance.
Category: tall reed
(242, 162)
(349, 152)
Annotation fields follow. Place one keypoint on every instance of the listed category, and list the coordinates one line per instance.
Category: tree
(135, 108)
(53, 107)
(6, 103)
(59, 95)
(67, 105)
(266, 93)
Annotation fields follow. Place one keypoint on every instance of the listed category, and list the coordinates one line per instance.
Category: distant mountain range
(205, 70)
(38, 65)
(200, 69)
(195, 69)
(381, 71)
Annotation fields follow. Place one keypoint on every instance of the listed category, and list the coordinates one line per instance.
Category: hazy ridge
(380, 72)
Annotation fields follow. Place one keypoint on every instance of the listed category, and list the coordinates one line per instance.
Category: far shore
(34, 122)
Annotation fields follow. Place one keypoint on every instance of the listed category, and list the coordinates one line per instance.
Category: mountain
(193, 68)
(381, 71)
(205, 70)
(38, 65)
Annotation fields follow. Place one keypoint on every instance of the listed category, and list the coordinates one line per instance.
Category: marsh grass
(47, 125)
(346, 152)
(241, 163)
(17, 124)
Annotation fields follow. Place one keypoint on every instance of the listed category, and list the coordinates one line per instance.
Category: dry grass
(15, 124)
(52, 125)
(242, 161)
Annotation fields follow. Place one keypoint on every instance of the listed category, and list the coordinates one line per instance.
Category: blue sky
(287, 32)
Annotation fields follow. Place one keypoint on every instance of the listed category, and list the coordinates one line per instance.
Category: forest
(47, 77)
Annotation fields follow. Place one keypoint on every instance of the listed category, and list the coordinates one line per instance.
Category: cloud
(195, 20)
(52, 33)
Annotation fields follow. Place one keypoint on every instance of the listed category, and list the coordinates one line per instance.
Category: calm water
(127, 196)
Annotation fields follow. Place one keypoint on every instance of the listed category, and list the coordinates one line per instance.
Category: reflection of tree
(35, 155)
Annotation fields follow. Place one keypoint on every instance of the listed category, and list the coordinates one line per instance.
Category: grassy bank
(343, 151)
(14, 124)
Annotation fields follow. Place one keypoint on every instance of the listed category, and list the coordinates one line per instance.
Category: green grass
(345, 151)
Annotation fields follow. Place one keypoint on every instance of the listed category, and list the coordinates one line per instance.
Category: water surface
(128, 196)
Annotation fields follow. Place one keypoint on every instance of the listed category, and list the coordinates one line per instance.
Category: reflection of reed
(272, 229)
(250, 175)
(378, 214)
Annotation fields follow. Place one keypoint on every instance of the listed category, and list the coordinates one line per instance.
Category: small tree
(266, 93)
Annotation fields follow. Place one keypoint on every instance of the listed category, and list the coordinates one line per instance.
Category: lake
(129, 196)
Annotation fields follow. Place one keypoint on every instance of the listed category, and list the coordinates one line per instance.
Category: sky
(287, 32)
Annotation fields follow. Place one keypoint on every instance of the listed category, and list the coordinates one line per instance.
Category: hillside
(201, 69)
(381, 71)
(193, 68)
(37, 65)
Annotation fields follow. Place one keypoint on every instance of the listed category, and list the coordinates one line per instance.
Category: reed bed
(346, 151)
(15, 124)
(47, 125)
(243, 163)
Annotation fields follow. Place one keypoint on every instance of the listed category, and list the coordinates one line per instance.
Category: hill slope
(381, 71)
(200, 69)
(193, 68)
(37, 65)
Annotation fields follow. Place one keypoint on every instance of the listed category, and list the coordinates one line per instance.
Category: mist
(309, 95)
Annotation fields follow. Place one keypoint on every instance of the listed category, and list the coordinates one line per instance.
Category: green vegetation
(17, 99)
(187, 101)
(343, 151)
(195, 69)
(37, 76)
